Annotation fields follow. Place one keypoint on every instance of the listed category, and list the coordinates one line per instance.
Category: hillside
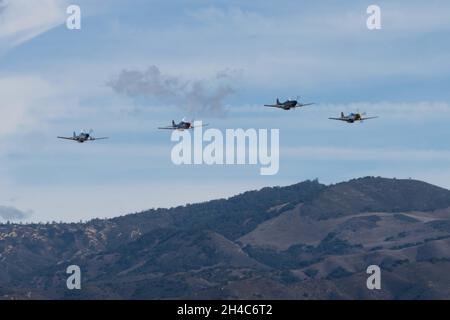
(305, 241)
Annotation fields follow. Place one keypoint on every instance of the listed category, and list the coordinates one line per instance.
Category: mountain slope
(305, 241)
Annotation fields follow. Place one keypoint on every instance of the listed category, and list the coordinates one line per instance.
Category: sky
(136, 65)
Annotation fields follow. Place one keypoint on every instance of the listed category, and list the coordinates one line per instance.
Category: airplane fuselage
(183, 126)
(289, 104)
(82, 137)
(352, 117)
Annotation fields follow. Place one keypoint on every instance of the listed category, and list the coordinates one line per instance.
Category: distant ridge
(304, 241)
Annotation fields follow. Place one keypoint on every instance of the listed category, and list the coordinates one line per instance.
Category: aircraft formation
(289, 104)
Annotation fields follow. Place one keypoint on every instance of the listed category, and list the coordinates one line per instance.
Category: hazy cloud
(2, 6)
(205, 96)
(366, 154)
(22, 20)
(11, 213)
(25, 107)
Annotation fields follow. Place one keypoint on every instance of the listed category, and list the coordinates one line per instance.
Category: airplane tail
(74, 134)
(278, 101)
(173, 123)
(342, 114)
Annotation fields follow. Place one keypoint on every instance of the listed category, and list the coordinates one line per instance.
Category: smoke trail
(205, 96)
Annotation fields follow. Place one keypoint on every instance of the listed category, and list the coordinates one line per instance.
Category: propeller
(362, 115)
(86, 132)
(188, 121)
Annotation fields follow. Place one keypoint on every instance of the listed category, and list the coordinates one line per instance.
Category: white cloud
(23, 102)
(344, 21)
(12, 213)
(322, 45)
(72, 203)
(22, 20)
(365, 154)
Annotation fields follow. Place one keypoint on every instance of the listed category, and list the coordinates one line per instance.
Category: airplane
(183, 125)
(352, 117)
(288, 104)
(82, 137)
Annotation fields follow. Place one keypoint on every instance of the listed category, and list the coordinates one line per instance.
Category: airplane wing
(67, 138)
(368, 118)
(306, 104)
(167, 128)
(103, 138)
(203, 125)
(341, 119)
(272, 105)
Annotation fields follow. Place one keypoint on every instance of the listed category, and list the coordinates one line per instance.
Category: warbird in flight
(183, 125)
(83, 137)
(352, 117)
(288, 104)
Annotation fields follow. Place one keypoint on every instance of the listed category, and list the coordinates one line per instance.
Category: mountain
(305, 241)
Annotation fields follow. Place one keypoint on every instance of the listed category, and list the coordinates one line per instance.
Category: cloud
(206, 96)
(22, 20)
(25, 101)
(295, 47)
(325, 20)
(366, 154)
(11, 213)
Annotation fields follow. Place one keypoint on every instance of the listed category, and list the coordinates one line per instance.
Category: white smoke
(205, 96)
(11, 213)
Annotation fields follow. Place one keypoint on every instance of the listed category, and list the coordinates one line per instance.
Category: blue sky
(54, 81)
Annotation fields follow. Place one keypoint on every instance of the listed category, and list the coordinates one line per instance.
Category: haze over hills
(305, 241)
